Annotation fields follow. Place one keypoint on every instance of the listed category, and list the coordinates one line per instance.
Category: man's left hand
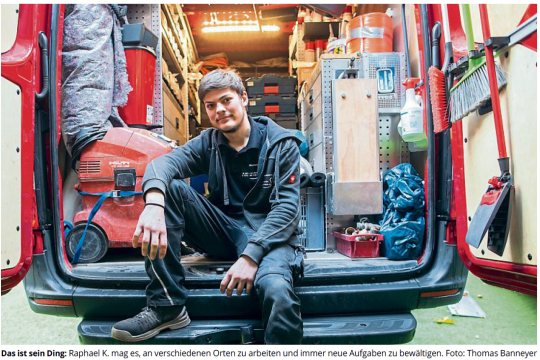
(239, 276)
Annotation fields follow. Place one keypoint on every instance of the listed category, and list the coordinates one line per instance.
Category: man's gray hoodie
(272, 207)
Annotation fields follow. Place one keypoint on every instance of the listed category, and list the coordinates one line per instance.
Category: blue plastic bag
(403, 223)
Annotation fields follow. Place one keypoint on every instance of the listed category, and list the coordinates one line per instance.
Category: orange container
(372, 33)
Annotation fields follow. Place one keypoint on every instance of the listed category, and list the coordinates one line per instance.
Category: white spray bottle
(412, 115)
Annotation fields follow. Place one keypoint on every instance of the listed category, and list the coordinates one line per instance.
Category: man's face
(225, 108)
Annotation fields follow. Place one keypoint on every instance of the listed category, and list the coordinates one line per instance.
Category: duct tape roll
(318, 179)
(305, 180)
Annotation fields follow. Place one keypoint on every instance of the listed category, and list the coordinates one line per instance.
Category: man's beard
(235, 129)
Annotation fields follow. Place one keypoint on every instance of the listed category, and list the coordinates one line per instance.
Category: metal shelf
(171, 59)
(319, 30)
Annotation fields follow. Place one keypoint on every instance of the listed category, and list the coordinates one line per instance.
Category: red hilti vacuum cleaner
(493, 214)
(110, 175)
(111, 169)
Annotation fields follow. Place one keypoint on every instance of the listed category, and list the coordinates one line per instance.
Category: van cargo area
(383, 198)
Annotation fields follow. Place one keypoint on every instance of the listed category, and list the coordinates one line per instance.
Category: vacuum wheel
(95, 243)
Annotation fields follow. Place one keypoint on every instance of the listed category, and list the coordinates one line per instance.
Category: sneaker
(149, 322)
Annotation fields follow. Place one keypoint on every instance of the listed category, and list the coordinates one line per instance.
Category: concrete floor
(511, 319)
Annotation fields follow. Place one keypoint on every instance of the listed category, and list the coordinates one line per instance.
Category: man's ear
(245, 99)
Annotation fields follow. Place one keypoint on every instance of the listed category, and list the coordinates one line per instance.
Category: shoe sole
(180, 322)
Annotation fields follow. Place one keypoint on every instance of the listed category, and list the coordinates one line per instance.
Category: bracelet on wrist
(155, 204)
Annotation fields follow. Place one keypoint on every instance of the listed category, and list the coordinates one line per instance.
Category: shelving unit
(180, 55)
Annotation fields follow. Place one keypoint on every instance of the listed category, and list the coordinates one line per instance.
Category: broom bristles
(438, 99)
(473, 92)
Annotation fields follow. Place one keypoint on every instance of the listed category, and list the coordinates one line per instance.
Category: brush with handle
(472, 91)
(439, 85)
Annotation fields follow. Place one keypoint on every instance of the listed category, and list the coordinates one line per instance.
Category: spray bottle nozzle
(409, 83)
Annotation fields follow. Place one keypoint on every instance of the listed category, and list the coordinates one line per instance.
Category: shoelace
(146, 317)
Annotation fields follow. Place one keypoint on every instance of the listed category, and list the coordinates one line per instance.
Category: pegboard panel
(394, 101)
(392, 149)
(141, 13)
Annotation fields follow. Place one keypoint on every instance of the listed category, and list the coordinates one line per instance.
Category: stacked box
(271, 84)
(275, 97)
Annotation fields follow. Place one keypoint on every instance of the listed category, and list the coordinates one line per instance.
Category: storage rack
(180, 55)
(315, 101)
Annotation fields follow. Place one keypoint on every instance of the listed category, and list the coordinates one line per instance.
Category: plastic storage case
(271, 84)
(272, 104)
(347, 245)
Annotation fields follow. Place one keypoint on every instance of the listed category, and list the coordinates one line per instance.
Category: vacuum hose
(118, 12)
(44, 47)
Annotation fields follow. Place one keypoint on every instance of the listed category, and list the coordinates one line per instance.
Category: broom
(472, 91)
(439, 86)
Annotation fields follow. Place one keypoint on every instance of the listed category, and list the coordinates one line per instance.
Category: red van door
(474, 154)
(20, 80)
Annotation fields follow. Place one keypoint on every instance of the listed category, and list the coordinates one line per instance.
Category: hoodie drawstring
(224, 176)
(221, 168)
(276, 172)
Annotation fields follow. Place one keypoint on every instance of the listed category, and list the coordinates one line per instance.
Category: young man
(251, 216)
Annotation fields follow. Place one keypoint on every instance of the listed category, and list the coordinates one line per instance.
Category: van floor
(123, 262)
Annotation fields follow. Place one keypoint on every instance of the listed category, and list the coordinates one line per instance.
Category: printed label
(119, 164)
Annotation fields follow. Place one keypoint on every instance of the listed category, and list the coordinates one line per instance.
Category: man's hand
(152, 227)
(240, 275)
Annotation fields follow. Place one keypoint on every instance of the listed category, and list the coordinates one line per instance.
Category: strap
(97, 206)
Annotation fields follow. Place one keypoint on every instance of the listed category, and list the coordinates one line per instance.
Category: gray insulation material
(94, 76)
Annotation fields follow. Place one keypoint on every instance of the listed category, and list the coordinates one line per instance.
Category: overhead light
(233, 28)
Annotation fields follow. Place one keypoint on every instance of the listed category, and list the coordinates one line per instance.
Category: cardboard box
(304, 73)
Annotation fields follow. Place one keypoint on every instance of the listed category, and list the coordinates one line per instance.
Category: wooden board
(519, 108)
(356, 136)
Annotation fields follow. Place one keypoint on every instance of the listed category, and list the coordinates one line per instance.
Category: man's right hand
(152, 226)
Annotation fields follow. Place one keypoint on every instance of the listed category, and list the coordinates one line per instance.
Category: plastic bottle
(347, 14)
(307, 17)
(309, 55)
(319, 48)
(412, 119)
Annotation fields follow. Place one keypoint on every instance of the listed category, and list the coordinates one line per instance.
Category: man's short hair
(221, 79)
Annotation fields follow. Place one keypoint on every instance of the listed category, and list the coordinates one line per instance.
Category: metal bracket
(518, 34)
(475, 54)
(497, 42)
(458, 68)
(523, 31)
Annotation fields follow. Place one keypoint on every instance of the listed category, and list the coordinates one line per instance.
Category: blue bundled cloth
(403, 223)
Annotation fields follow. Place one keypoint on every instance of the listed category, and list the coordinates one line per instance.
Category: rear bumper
(365, 329)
